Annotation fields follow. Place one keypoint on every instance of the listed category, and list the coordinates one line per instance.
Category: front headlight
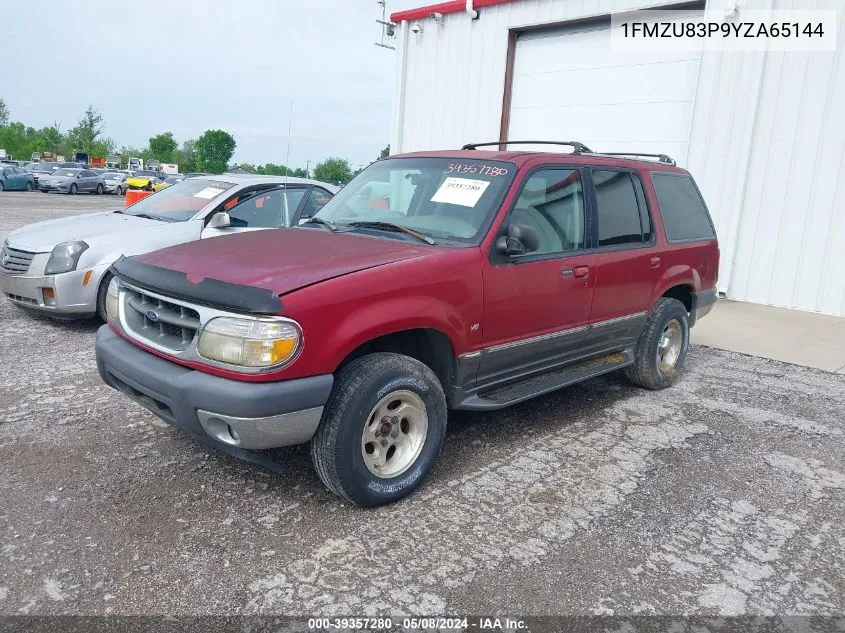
(112, 295)
(250, 342)
(64, 257)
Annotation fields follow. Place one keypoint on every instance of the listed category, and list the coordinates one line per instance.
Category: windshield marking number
(482, 170)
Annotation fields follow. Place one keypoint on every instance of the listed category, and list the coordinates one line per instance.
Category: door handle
(654, 262)
(581, 271)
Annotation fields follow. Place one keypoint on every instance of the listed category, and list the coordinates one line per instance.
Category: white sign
(463, 191)
(208, 193)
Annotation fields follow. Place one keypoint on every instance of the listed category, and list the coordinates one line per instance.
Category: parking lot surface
(722, 495)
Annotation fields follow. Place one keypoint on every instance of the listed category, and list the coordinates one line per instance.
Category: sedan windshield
(44, 168)
(443, 198)
(179, 202)
(66, 172)
(112, 175)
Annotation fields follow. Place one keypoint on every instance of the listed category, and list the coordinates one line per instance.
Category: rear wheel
(662, 347)
(73, 189)
(382, 429)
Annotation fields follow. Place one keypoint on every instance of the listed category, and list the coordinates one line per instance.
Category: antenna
(388, 29)
(287, 162)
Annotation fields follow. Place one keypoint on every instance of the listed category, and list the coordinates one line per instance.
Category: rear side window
(684, 214)
(620, 221)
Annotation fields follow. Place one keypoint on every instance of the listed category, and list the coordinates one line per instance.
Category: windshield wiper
(390, 226)
(315, 220)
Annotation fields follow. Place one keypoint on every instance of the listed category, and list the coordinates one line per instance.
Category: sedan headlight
(64, 257)
(112, 295)
(250, 342)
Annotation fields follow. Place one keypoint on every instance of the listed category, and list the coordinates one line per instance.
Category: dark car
(72, 181)
(475, 280)
(13, 178)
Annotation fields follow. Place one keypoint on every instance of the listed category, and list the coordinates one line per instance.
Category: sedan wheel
(2, 186)
(73, 189)
(29, 186)
(99, 189)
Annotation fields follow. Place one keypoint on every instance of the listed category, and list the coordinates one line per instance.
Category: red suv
(433, 281)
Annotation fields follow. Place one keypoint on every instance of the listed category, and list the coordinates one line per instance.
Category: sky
(191, 65)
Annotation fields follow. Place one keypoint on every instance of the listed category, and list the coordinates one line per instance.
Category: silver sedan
(72, 181)
(61, 267)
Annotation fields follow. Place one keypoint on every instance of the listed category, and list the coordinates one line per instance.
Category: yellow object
(87, 278)
(142, 182)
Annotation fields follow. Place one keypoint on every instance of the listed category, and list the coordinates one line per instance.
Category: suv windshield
(443, 198)
(179, 202)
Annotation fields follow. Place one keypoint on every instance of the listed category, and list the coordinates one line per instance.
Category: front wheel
(99, 189)
(2, 186)
(662, 347)
(382, 429)
(119, 190)
(29, 186)
(73, 189)
(102, 291)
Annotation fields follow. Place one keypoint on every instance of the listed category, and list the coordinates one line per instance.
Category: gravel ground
(724, 495)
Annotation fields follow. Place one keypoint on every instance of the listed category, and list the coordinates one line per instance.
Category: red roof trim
(444, 7)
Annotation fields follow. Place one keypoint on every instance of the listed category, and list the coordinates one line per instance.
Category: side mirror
(521, 239)
(219, 221)
(79, 175)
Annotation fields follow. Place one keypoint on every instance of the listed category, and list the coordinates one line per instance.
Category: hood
(282, 260)
(41, 237)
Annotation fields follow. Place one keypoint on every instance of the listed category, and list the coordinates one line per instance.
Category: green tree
(335, 170)
(384, 153)
(162, 147)
(214, 149)
(186, 157)
(86, 135)
(4, 113)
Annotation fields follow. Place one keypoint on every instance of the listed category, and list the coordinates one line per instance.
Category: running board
(544, 383)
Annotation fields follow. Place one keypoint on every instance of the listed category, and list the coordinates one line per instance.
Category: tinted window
(552, 201)
(268, 209)
(618, 211)
(684, 214)
(316, 199)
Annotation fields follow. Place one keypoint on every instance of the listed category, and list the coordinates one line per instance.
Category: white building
(762, 132)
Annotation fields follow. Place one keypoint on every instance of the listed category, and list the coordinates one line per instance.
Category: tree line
(210, 152)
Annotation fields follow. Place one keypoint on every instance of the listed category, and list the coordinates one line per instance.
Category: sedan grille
(14, 261)
(160, 322)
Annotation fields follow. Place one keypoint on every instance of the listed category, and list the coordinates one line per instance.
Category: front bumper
(71, 296)
(53, 187)
(235, 416)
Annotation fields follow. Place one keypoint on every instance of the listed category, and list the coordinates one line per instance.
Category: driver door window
(267, 209)
(552, 202)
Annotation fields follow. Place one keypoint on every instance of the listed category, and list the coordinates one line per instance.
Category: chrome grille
(14, 261)
(160, 322)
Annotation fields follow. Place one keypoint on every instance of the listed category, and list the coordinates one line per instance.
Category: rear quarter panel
(693, 263)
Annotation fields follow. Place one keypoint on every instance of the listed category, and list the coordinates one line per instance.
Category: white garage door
(569, 85)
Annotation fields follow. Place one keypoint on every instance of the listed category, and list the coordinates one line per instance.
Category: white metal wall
(766, 142)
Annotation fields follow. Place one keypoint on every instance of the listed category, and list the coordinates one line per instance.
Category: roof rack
(577, 148)
(661, 158)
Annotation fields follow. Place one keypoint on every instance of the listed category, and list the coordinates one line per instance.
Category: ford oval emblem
(152, 316)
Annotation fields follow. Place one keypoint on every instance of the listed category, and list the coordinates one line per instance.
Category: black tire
(336, 448)
(99, 189)
(119, 190)
(73, 189)
(647, 370)
(2, 186)
(29, 186)
(101, 296)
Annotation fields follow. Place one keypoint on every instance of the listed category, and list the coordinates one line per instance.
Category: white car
(61, 267)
